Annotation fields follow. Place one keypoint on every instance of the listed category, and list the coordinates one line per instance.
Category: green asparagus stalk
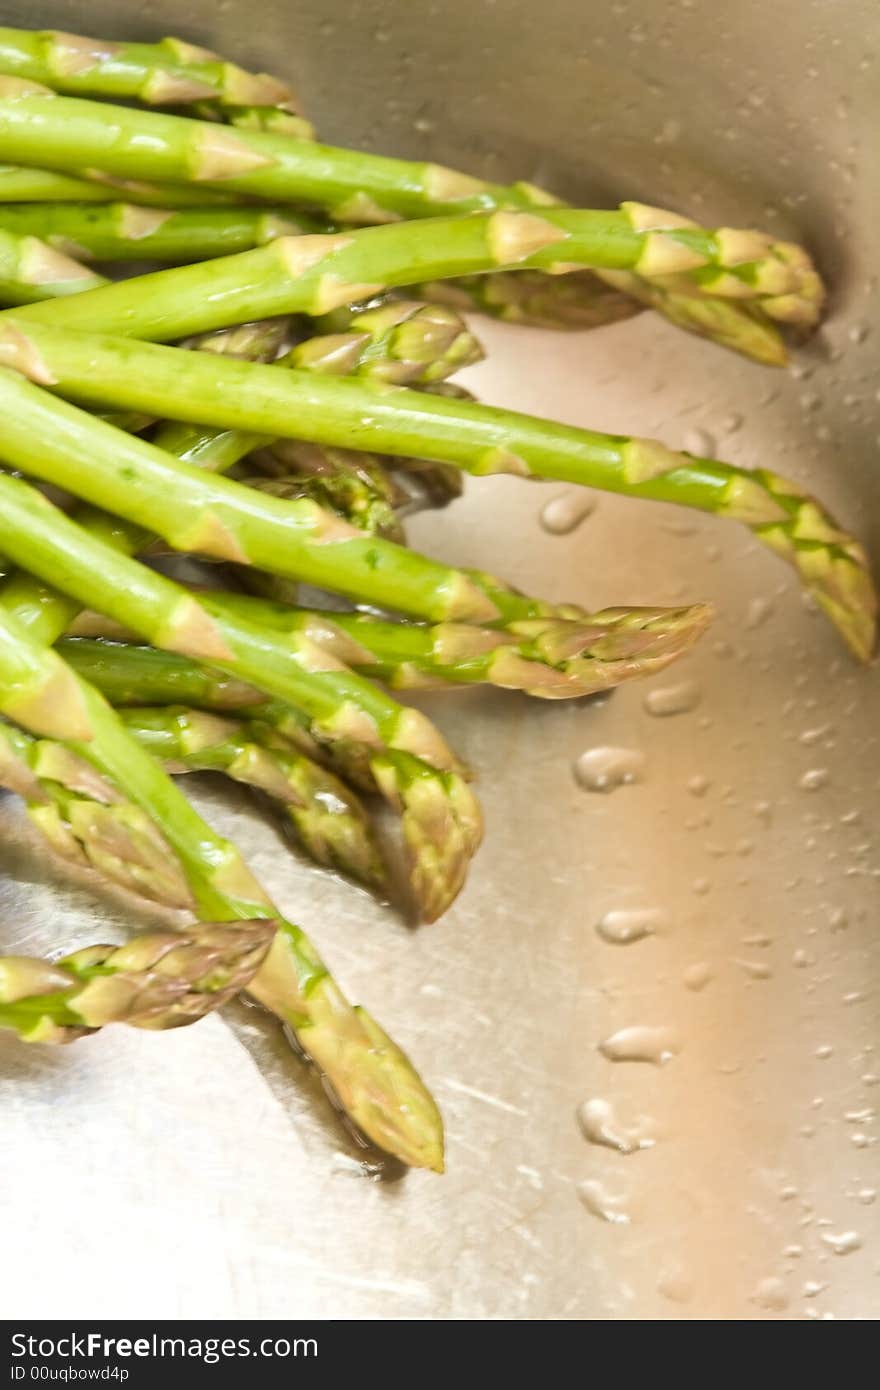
(325, 816)
(215, 516)
(132, 675)
(129, 674)
(275, 120)
(164, 73)
(574, 301)
(31, 270)
(158, 980)
(86, 820)
(107, 231)
(357, 487)
(36, 682)
(35, 533)
(21, 184)
(549, 658)
(391, 342)
(340, 705)
(339, 411)
(355, 187)
(315, 275)
(404, 342)
(373, 1080)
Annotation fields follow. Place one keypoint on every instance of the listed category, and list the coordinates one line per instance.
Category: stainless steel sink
(199, 1174)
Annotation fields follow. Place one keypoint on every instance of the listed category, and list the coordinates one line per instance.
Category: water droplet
(858, 332)
(601, 1203)
(770, 1293)
(867, 1196)
(756, 969)
(700, 442)
(640, 1043)
(811, 736)
(838, 920)
(758, 611)
(676, 1285)
(672, 699)
(812, 1288)
(697, 976)
(698, 785)
(701, 886)
(622, 926)
(824, 1052)
(843, 1242)
(814, 779)
(606, 769)
(599, 1125)
(564, 513)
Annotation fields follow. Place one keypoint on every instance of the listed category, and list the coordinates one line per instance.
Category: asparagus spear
(86, 820)
(129, 674)
(132, 675)
(357, 487)
(326, 818)
(106, 231)
(31, 270)
(339, 411)
(35, 680)
(158, 980)
(374, 1081)
(576, 301)
(275, 120)
(550, 658)
(404, 342)
(22, 184)
(217, 517)
(163, 73)
(315, 275)
(340, 705)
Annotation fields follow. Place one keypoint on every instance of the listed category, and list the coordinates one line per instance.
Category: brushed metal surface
(198, 1174)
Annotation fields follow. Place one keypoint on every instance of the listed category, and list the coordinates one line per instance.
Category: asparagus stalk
(373, 1080)
(325, 816)
(574, 301)
(550, 658)
(106, 231)
(86, 820)
(215, 516)
(356, 487)
(129, 674)
(22, 184)
(340, 705)
(36, 682)
(404, 342)
(158, 980)
(31, 270)
(316, 275)
(133, 675)
(353, 186)
(164, 73)
(339, 411)
(275, 120)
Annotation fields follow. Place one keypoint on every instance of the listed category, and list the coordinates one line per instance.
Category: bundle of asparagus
(307, 354)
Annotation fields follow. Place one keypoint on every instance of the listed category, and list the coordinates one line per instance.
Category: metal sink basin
(748, 849)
